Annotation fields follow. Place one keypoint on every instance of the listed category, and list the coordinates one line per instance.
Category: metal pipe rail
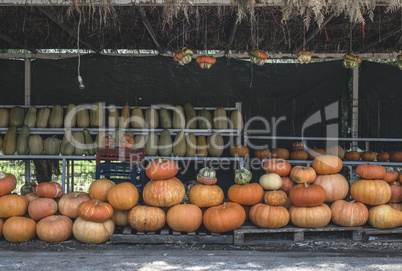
(345, 163)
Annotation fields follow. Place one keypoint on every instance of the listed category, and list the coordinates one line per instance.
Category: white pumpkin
(271, 181)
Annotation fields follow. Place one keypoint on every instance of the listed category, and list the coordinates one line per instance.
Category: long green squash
(215, 145)
(56, 117)
(125, 117)
(137, 118)
(79, 143)
(237, 120)
(42, 120)
(82, 117)
(204, 119)
(191, 145)
(179, 144)
(99, 139)
(139, 142)
(52, 146)
(165, 143)
(89, 143)
(22, 141)
(35, 143)
(17, 115)
(220, 118)
(202, 148)
(179, 120)
(165, 119)
(96, 115)
(67, 148)
(151, 146)
(30, 117)
(191, 121)
(70, 119)
(113, 117)
(151, 118)
(4, 117)
(10, 141)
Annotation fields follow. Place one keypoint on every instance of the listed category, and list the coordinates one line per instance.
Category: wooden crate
(386, 235)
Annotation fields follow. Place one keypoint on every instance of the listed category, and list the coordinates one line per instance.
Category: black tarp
(11, 82)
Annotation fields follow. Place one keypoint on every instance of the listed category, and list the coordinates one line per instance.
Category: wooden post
(355, 118)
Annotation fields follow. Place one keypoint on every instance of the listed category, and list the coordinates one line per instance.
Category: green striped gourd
(17, 115)
(179, 120)
(42, 120)
(215, 145)
(4, 118)
(165, 143)
(70, 119)
(151, 145)
(137, 118)
(220, 118)
(10, 141)
(52, 146)
(35, 143)
(191, 145)
(151, 118)
(22, 141)
(30, 117)
(96, 115)
(56, 117)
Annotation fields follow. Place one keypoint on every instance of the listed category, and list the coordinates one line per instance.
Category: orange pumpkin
(349, 214)
(161, 169)
(8, 183)
(314, 153)
(239, 151)
(396, 192)
(147, 218)
(275, 198)
(287, 184)
(384, 217)
(299, 155)
(396, 157)
(304, 195)
(54, 228)
(225, 217)
(248, 194)
(123, 196)
(336, 151)
(127, 142)
(68, 203)
(367, 171)
(206, 195)
(301, 174)
(382, 157)
(368, 156)
(352, 156)
(206, 62)
(13, 205)
(371, 192)
(18, 229)
(390, 175)
(95, 210)
(336, 186)
(327, 164)
(99, 188)
(92, 232)
(262, 153)
(42, 207)
(271, 217)
(280, 153)
(164, 193)
(278, 166)
(49, 190)
(184, 217)
(310, 217)
(120, 217)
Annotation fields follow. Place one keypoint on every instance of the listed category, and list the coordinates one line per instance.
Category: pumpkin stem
(224, 205)
(76, 195)
(96, 202)
(353, 201)
(159, 159)
(305, 185)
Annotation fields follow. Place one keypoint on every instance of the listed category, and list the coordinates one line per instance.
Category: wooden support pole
(150, 29)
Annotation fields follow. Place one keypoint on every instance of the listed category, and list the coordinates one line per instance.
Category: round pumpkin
(396, 157)
(225, 217)
(310, 217)
(314, 153)
(395, 205)
(280, 153)
(54, 228)
(18, 229)
(352, 156)
(278, 166)
(161, 169)
(262, 153)
(368, 156)
(270, 181)
(382, 157)
(99, 188)
(384, 217)
(371, 192)
(42, 207)
(349, 214)
(49, 190)
(1, 227)
(248, 194)
(164, 193)
(336, 151)
(13, 205)
(269, 217)
(95, 210)
(206, 195)
(299, 155)
(336, 186)
(147, 218)
(247, 210)
(8, 183)
(301, 174)
(123, 196)
(239, 151)
(287, 184)
(390, 175)
(120, 217)
(371, 172)
(275, 198)
(92, 232)
(327, 164)
(184, 217)
(207, 175)
(396, 192)
(304, 195)
(68, 203)
(30, 197)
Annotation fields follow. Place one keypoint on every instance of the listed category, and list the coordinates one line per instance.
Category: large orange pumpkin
(301, 174)
(278, 166)
(262, 153)
(42, 207)
(99, 188)
(68, 203)
(336, 186)
(352, 156)
(271, 217)
(13, 205)
(371, 192)
(327, 164)
(390, 175)
(396, 157)
(396, 192)
(123, 196)
(184, 217)
(299, 155)
(310, 217)
(206, 195)
(287, 184)
(49, 190)
(239, 150)
(54, 228)
(120, 217)
(280, 153)
(304, 195)
(92, 232)
(384, 217)
(372, 172)
(349, 214)
(368, 156)
(248, 194)
(18, 229)
(8, 183)
(382, 157)
(164, 193)
(147, 218)
(275, 198)
(314, 153)
(225, 217)
(95, 210)
(161, 169)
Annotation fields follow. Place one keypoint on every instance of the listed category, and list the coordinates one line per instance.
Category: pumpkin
(191, 116)
(298, 146)
(301, 174)
(270, 181)
(70, 119)
(191, 145)
(137, 118)
(120, 217)
(215, 145)
(371, 192)
(13, 205)
(42, 120)
(220, 119)
(225, 217)
(349, 214)
(19, 229)
(237, 120)
(280, 153)
(327, 164)
(49, 190)
(336, 186)
(1, 227)
(368, 156)
(299, 155)
(55, 228)
(394, 157)
(336, 151)
(275, 198)
(151, 145)
(206, 195)
(352, 156)
(304, 195)
(396, 192)
(151, 118)
(146, 218)
(204, 120)
(165, 119)
(160, 169)
(30, 117)
(287, 204)
(184, 217)
(395, 205)
(95, 210)
(35, 143)
(10, 141)
(242, 176)
(382, 157)
(17, 115)
(239, 151)
(367, 171)
(123, 196)
(165, 143)
(30, 197)
(310, 217)
(56, 117)
(278, 166)
(287, 184)
(304, 57)
(314, 153)
(207, 176)
(248, 194)
(206, 62)
(42, 207)
(202, 148)
(271, 217)
(183, 57)
(92, 232)
(262, 153)
(51, 146)
(384, 217)
(98, 189)
(179, 120)
(164, 193)
(8, 183)
(4, 117)
(124, 121)
(179, 144)
(69, 203)
(257, 57)
(390, 175)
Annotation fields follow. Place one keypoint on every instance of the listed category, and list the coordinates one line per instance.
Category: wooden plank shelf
(382, 235)
(168, 236)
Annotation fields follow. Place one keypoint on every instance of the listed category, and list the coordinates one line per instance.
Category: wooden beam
(150, 29)
(67, 28)
(232, 34)
(16, 43)
(382, 38)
